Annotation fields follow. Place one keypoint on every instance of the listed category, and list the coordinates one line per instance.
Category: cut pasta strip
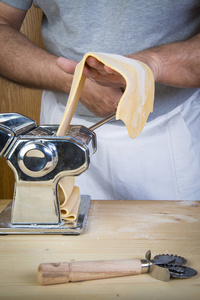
(65, 188)
(69, 210)
(137, 100)
(69, 198)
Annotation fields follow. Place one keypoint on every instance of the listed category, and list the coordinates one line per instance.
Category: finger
(113, 80)
(90, 72)
(94, 63)
(102, 68)
(109, 70)
(66, 65)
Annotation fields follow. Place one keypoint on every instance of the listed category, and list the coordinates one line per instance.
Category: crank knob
(37, 158)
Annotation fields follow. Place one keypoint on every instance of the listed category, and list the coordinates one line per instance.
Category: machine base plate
(65, 227)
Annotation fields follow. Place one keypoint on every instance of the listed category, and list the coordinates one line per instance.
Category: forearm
(176, 64)
(24, 63)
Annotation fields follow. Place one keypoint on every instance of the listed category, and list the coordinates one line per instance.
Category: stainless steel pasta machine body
(39, 159)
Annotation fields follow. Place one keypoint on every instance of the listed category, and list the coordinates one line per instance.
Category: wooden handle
(53, 273)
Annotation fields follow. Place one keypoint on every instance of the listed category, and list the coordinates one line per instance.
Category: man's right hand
(100, 100)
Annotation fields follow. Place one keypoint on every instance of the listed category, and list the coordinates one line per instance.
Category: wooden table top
(114, 230)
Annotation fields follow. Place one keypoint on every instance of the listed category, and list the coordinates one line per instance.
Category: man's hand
(176, 64)
(99, 99)
(103, 74)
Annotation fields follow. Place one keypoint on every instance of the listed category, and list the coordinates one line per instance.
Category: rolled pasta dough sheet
(137, 100)
(133, 109)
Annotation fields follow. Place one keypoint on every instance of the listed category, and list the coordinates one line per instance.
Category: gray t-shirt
(72, 28)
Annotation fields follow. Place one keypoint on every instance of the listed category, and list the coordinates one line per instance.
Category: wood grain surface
(114, 230)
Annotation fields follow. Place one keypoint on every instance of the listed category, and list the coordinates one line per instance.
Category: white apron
(162, 163)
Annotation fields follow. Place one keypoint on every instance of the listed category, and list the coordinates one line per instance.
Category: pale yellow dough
(133, 109)
(66, 185)
(135, 104)
(69, 198)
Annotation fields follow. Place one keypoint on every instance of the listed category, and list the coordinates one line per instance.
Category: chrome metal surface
(35, 202)
(6, 137)
(17, 123)
(11, 125)
(163, 259)
(156, 271)
(181, 272)
(106, 120)
(145, 266)
(164, 266)
(159, 273)
(37, 158)
(74, 153)
(38, 163)
(65, 228)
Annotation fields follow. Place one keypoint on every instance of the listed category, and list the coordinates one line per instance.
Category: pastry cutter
(161, 267)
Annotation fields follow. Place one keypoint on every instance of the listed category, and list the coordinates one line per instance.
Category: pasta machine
(39, 159)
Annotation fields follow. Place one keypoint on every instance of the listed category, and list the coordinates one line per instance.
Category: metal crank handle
(106, 120)
(54, 273)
